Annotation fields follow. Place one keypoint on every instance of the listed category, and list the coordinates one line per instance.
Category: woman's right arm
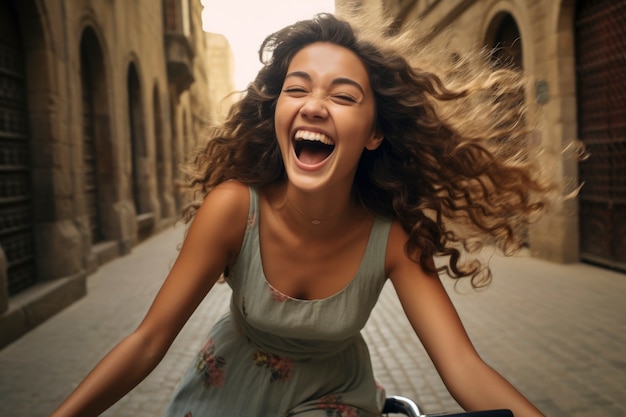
(213, 241)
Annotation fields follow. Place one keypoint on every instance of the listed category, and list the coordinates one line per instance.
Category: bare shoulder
(396, 253)
(229, 200)
(398, 264)
(223, 214)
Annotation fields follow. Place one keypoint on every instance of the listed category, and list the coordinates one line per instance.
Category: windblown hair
(453, 167)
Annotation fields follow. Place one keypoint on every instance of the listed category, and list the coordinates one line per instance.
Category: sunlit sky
(245, 23)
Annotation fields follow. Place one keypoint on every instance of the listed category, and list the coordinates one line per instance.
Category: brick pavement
(557, 332)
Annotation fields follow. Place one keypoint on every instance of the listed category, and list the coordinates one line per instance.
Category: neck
(317, 210)
(315, 220)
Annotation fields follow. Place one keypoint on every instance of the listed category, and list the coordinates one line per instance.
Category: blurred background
(102, 100)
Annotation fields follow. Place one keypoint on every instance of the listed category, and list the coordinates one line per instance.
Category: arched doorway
(505, 43)
(175, 153)
(16, 218)
(139, 152)
(97, 154)
(600, 39)
(161, 171)
(504, 40)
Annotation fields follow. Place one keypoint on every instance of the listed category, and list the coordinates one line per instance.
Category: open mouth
(312, 147)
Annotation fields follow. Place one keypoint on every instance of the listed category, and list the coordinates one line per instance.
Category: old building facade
(100, 102)
(575, 54)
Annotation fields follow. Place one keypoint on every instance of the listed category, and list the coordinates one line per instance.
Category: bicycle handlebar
(402, 405)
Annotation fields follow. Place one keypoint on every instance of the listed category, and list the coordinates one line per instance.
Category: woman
(343, 165)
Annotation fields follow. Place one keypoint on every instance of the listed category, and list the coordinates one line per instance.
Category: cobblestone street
(557, 332)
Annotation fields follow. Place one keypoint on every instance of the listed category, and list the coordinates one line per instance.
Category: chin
(308, 186)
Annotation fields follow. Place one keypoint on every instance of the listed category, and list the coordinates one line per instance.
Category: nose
(314, 108)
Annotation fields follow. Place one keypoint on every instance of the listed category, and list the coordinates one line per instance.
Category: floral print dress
(272, 355)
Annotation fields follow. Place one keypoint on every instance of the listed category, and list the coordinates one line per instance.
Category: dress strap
(254, 203)
(371, 276)
(377, 246)
(250, 242)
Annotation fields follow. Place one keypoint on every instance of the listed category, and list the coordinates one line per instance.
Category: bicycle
(401, 405)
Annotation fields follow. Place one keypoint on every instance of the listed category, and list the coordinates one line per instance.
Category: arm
(213, 240)
(472, 383)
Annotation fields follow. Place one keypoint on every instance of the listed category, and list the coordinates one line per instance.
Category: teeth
(313, 136)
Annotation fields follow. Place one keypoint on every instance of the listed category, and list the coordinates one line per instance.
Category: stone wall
(546, 32)
(102, 168)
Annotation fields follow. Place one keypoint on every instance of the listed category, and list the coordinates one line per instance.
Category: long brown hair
(453, 167)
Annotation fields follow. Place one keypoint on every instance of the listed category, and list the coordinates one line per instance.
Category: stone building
(221, 70)
(574, 52)
(100, 101)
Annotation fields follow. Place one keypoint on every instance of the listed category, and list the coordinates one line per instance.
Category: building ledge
(37, 304)
(179, 56)
(146, 224)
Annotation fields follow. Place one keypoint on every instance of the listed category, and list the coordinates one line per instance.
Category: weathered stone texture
(91, 205)
(547, 35)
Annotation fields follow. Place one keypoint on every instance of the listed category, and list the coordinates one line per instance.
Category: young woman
(342, 166)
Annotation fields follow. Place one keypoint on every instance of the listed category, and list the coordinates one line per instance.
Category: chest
(305, 269)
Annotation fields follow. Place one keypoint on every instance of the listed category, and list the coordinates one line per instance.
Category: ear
(375, 141)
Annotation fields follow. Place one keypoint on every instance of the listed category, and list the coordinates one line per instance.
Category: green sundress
(273, 355)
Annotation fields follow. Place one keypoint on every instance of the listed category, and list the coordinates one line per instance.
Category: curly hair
(453, 167)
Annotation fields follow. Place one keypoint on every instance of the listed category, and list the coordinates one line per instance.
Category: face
(324, 117)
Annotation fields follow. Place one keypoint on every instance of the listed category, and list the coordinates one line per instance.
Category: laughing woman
(343, 165)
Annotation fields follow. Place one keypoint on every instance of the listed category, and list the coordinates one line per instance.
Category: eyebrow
(336, 81)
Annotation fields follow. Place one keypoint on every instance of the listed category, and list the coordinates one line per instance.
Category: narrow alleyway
(557, 332)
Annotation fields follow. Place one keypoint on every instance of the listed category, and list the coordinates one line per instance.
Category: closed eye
(294, 90)
(344, 98)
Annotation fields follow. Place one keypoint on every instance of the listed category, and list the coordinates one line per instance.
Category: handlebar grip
(407, 407)
(486, 413)
(402, 405)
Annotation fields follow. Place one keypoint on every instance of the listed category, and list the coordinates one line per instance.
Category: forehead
(322, 59)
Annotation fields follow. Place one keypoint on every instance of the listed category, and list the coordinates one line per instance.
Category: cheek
(278, 123)
(281, 134)
(281, 115)
(361, 127)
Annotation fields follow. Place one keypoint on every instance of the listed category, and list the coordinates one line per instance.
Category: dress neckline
(337, 294)
(366, 253)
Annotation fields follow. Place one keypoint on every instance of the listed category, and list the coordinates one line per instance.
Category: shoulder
(223, 214)
(228, 200)
(234, 191)
(397, 261)
(397, 237)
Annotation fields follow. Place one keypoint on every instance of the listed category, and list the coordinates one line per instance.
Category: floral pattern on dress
(279, 366)
(243, 307)
(251, 221)
(277, 296)
(335, 408)
(211, 365)
(379, 387)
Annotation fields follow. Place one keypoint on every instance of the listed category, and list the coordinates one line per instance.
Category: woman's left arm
(472, 383)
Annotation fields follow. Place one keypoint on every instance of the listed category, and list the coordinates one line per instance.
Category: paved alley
(557, 332)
